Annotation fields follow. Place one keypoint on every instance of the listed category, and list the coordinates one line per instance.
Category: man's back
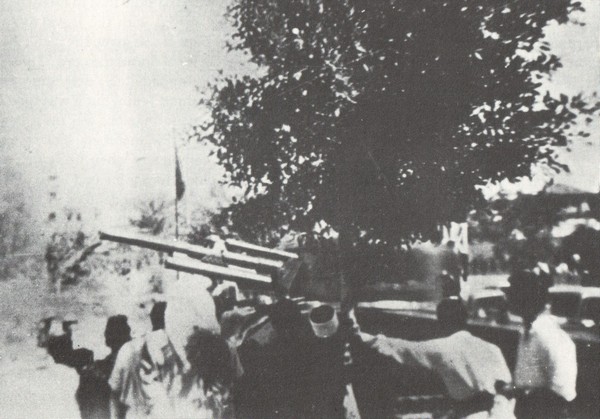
(466, 364)
(546, 358)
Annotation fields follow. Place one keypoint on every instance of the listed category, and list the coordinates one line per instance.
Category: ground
(25, 300)
(25, 368)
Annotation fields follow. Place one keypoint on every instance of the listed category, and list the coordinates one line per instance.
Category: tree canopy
(381, 117)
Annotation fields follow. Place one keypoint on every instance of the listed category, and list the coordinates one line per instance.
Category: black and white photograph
(299, 209)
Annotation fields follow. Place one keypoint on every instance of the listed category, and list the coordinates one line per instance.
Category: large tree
(381, 117)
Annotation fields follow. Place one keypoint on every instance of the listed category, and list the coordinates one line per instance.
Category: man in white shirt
(148, 370)
(469, 367)
(546, 369)
(546, 358)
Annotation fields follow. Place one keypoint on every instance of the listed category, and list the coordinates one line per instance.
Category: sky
(97, 92)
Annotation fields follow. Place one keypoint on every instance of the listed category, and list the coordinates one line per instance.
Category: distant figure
(452, 262)
(468, 366)
(546, 369)
(93, 393)
(450, 285)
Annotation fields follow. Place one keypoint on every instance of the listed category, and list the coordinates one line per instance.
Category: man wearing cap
(468, 366)
(330, 393)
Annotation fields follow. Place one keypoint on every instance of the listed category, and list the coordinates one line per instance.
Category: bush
(151, 217)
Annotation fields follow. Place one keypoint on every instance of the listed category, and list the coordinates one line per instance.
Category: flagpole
(176, 199)
(176, 195)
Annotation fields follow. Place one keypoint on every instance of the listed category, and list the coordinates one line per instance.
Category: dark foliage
(151, 217)
(381, 117)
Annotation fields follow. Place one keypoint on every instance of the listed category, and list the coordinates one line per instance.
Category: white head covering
(324, 321)
(189, 305)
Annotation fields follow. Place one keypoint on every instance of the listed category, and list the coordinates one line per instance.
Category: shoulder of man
(478, 343)
(547, 330)
(126, 362)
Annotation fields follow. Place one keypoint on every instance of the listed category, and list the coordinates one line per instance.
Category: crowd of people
(198, 362)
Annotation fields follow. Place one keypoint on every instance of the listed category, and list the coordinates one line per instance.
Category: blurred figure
(330, 392)
(157, 315)
(468, 366)
(451, 262)
(207, 386)
(546, 368)
(450, 285)
(148, 374)
(274, 384)
(93, 393)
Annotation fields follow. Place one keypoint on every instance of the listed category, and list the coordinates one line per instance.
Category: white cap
(324, 321)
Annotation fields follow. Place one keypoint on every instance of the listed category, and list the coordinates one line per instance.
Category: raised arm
(405, 352)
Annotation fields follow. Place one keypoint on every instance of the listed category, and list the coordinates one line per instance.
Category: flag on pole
(179, 185)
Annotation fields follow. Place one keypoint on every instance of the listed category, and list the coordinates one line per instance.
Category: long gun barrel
(260, 251)
(194, 251)
(242, 277)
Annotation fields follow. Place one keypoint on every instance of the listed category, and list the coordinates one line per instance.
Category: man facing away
(468, 366)
(546, 369)
(146, 378)
(93, 393)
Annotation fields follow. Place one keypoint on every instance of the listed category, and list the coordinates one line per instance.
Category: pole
(176, 200)
(176, 220)
(176, 195)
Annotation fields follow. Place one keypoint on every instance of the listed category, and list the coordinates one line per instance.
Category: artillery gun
(271, 271)
(253, 268)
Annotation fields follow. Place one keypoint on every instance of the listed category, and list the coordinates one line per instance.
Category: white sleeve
(402, 351)
(118, 377)
(502, 373)
(562, 368)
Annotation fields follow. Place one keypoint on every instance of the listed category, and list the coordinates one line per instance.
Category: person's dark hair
(157, 315)
(451, 315)
(60, 348)
(210, 361)
(528, 294)
(117, 332)
(286, 318)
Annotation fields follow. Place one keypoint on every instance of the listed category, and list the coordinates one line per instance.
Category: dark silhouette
(274, 384)
(60, 346)
(450, 285)
(211, 374)
(451, 316)
(209, 359)
(157, 315)
(93, 393)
